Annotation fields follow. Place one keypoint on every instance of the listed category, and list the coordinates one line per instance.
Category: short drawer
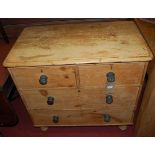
(44, 77)
(121, 97)
(55, 99)
(81, 118)
(124, 74)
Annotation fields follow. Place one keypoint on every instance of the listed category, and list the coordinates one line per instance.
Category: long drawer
(72, 99)
(101, 117)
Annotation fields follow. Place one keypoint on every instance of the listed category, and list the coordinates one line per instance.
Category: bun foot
(123, 127)
(44, 128)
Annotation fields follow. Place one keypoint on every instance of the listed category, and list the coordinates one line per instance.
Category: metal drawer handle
(55, 119)
(110, 77)
(109, 99)
(50, 100)
(106, 117)
(43, 79)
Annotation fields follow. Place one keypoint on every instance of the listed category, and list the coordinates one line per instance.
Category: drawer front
(97, 98)
(125, 74)
(56, 99)
(81, 118)
(44, 77)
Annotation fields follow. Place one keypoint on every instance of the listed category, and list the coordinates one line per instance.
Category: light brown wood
(64, 99)
(76, 59)
(71, 99)
(148, 32)
(79, 43)
(58, 76)
(145, 125)
(90, 75)
(125, 74)
(96, 98)
(43, 117)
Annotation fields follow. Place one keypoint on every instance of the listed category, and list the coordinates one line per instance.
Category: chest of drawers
(87, 74)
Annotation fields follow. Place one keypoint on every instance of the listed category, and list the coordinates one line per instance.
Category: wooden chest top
(79, 43)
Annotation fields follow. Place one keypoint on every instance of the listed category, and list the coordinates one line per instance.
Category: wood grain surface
(94, 75)
(76, 59)
(58, 76)
(96, 98)
(43, 117)
(118, 41)
(64, 99)
(145, 125)
(72, 99)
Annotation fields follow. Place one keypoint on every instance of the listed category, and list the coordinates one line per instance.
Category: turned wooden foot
(44, 128)
(122, 127)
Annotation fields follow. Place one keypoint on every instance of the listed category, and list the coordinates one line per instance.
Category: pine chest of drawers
(85, 74)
